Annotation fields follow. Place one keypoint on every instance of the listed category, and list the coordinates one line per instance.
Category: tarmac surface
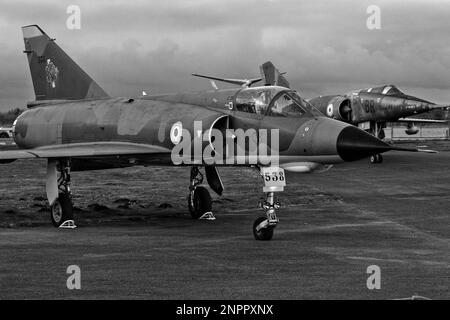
(135, 241)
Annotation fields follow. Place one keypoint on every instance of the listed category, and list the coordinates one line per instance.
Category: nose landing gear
(274, 181)
(263, 227)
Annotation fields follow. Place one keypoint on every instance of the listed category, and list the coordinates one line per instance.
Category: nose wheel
(261, 229)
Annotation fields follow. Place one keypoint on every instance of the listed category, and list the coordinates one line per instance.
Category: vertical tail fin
(55, 75)
(272, 76)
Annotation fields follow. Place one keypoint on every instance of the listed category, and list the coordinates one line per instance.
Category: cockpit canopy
(273, 101)
(388, 90)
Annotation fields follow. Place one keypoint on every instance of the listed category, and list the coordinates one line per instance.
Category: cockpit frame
(261, 101)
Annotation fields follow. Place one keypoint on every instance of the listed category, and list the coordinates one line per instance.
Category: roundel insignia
(176, 132)
(330, 110)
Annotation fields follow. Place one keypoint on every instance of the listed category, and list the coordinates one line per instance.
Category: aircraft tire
(61, 210)
(264, 234)
(376, 158)
(380, 158)
(200, 203)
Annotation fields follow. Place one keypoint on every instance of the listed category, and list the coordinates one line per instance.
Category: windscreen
(285, 106)
(305, 105)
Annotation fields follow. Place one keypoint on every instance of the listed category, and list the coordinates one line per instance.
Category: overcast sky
(132, 45)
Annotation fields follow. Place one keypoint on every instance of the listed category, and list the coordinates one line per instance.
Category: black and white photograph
(224, 156)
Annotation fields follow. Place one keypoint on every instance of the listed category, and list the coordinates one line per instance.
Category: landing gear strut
(274, 181)
(199, 201)
(59, 194)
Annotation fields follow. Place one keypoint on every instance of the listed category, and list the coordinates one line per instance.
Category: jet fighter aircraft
(76, 125)
(372, 108)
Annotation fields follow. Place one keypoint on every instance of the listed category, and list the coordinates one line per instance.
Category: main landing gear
(377, 129)
(376, 158)
(199, 200)
(58, 193)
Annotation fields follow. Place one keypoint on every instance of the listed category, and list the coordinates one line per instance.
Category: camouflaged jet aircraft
(370, 109)
(76, 125)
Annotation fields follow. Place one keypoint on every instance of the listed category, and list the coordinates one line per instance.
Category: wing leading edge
(74, 150)
(413, 120)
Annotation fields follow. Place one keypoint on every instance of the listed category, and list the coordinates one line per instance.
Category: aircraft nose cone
(355, 144)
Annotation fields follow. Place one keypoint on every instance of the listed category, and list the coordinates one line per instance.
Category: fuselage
(375, 107)
(305, 137)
